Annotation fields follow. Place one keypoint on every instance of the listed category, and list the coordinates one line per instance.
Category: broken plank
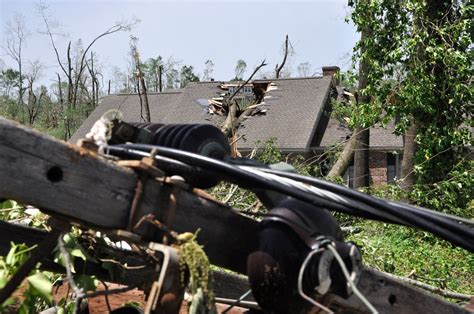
(392, 296)
(39, 170)
(65, 180)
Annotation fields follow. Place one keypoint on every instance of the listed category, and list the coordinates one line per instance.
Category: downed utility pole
(79, 186)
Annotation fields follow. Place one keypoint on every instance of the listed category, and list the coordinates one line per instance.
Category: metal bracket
(166, 293)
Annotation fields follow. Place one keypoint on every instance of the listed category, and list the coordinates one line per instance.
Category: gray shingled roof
(293, 110)
(381, 138)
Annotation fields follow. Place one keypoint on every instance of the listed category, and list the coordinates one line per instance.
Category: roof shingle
(293, 110)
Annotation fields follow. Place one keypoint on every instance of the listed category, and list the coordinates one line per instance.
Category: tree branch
(246, 82)
(279, 68)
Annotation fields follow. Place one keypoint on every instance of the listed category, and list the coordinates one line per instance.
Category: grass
(403, 251)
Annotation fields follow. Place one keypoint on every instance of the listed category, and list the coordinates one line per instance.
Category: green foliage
(341, 111)
(37, 293)
(14, 212)
(9, 79)
(452, 195)
(151, 69)
(401, 251)
(269, 153)
(419, 56)
(187, 75)
(240, 69)
(194, 261)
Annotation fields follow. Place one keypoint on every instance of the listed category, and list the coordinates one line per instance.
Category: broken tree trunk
(344, 159)
(362, 143)
(142, 93)
(228, 126)
(361, 158)
(279, 68)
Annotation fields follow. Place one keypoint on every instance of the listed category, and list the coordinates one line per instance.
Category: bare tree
(240, 69)
(94, 75)
(304, 69)
(33, 103)
(207, 75)
(278, 68)
(140, 78)
(73, 80)
(74, 74)
(16, 36)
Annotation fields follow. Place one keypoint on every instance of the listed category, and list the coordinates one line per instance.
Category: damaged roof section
(288, 110)
(251, 94)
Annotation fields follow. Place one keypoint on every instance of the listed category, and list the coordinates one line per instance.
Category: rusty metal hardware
(166, 294)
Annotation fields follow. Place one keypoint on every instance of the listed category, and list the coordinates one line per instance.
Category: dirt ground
(99, 305)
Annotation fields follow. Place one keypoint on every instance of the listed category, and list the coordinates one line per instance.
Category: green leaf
(77, 252)
(8, 302)
(41, 285)
(6, 205)
(61, 260)
(87, 283)
(3, 282)
(10, 259)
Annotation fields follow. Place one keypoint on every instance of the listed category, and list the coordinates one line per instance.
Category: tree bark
(362, 141)
(279, 68)
(227, 128)
(160, 78)
(344, 159)
(409, 150)
(361, 158)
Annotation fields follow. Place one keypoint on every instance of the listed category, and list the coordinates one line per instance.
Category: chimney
(332, 71)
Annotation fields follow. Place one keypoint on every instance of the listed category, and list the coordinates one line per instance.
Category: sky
(191, 32)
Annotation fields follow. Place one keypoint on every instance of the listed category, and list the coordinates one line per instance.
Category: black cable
(193, 175)
(235, 173)
(168, 164)
(448, 222)
(241, 177)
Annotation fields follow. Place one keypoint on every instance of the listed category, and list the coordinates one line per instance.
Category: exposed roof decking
(292, 114)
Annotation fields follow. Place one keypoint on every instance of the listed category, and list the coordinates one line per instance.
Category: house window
(245, 89)
(248, 90)
(393, 167)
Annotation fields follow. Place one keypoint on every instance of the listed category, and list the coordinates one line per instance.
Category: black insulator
(286, 236)
(203, 139)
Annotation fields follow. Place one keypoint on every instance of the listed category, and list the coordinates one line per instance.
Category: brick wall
(378, 167)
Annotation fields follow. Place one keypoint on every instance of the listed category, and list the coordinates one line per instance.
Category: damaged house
(293, 111)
